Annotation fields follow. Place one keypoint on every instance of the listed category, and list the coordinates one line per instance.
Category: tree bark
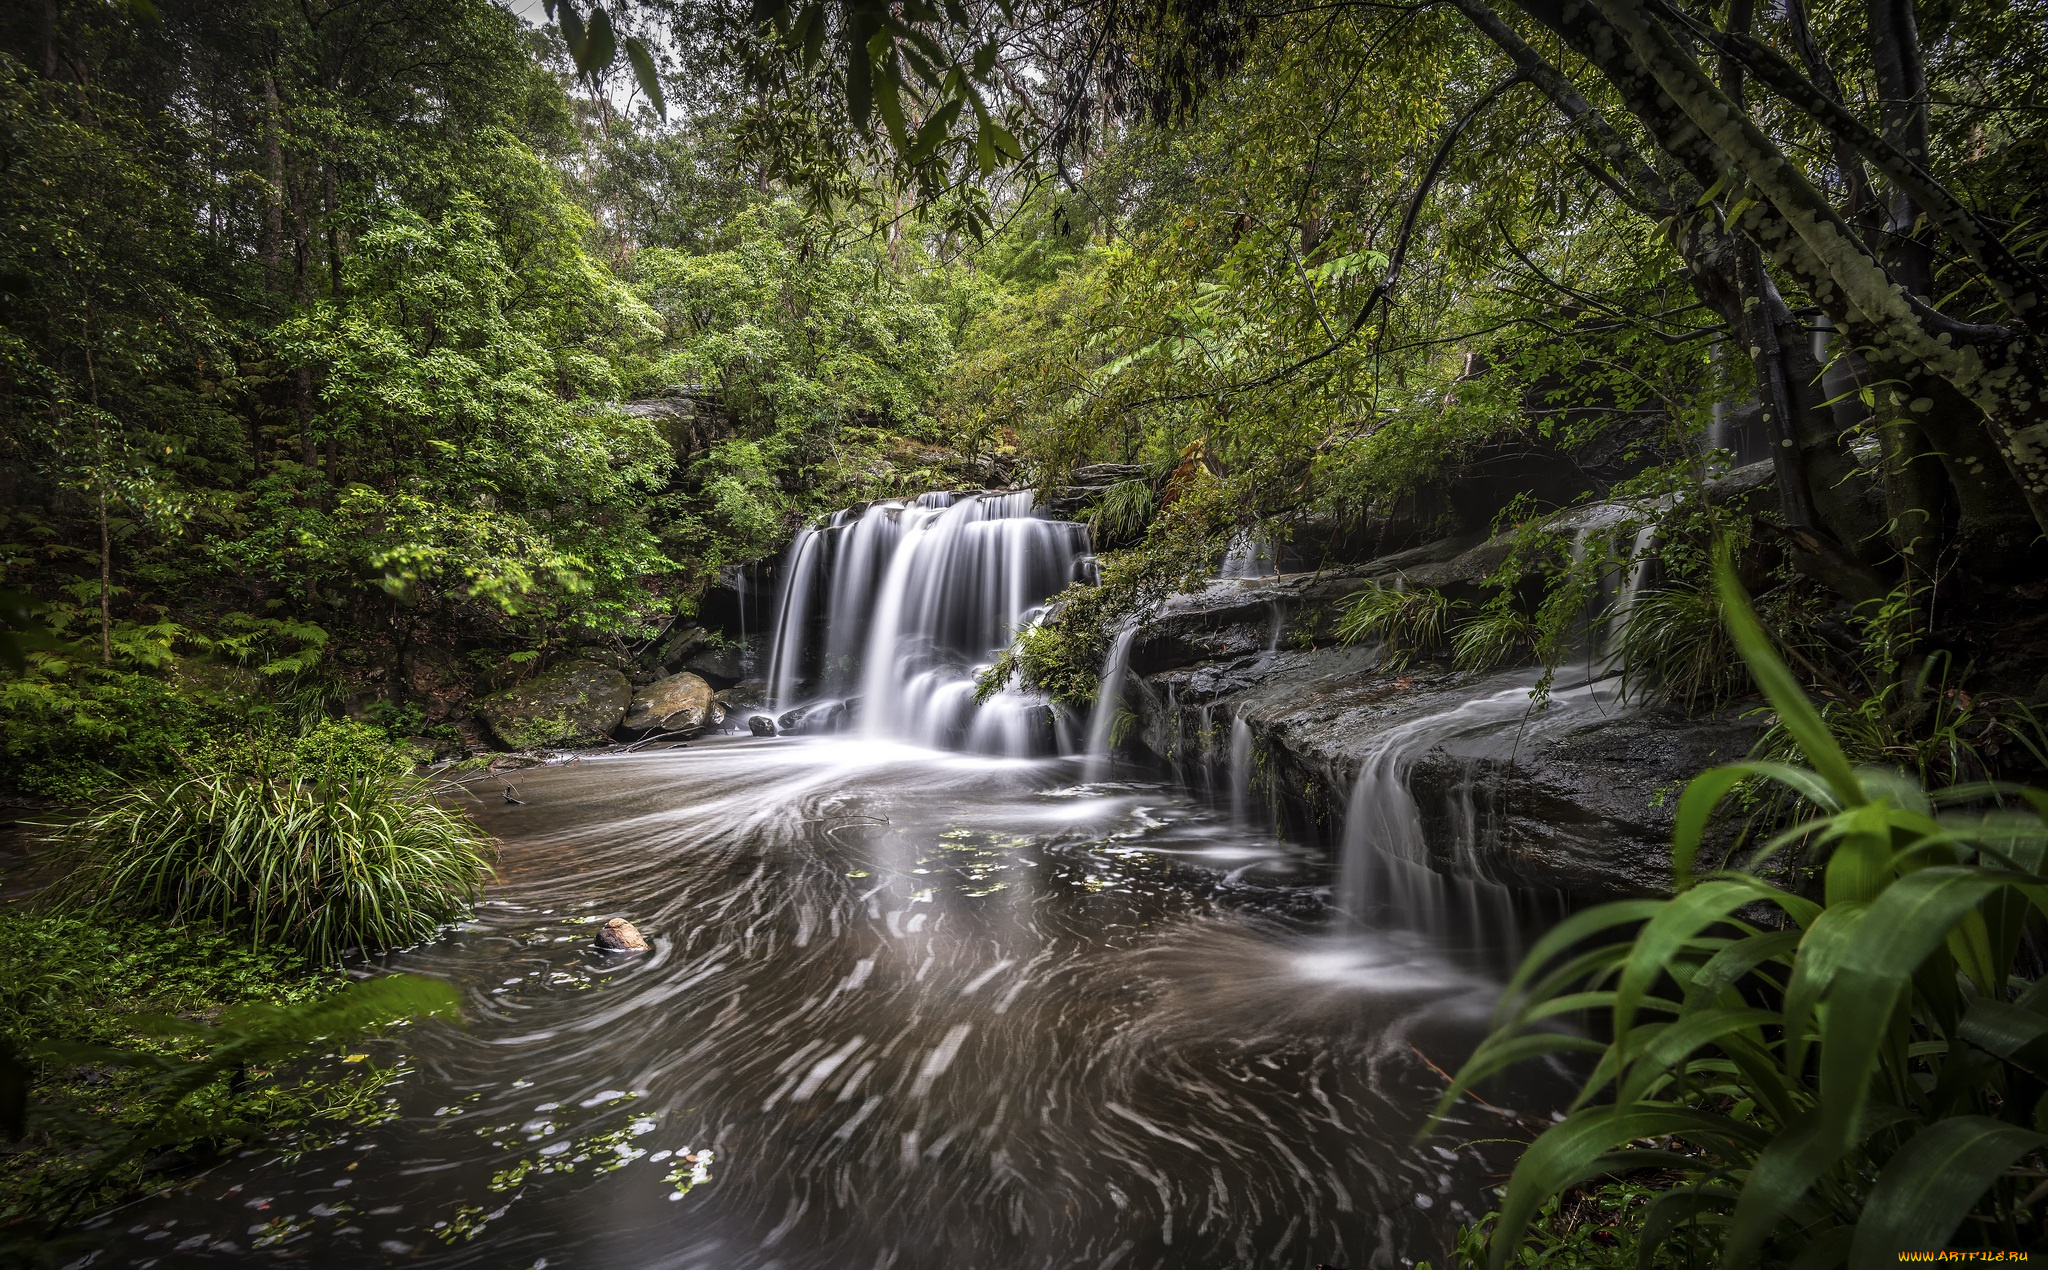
(2000, 369)
(106, 587)
(272, 246)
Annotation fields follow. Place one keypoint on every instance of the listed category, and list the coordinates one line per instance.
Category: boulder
(620, 935)
(748, 694)
(679, 703)
(724, 663)
(761, 725)
(572, 702)
(680, 644)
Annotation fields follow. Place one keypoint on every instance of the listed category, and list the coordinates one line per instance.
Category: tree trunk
(106, 587)
(2000, 369)
(272, 246)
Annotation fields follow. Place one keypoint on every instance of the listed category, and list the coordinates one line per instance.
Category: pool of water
(903, 1009)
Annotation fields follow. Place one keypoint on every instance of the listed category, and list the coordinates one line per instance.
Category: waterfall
(917, 596)
(1249, 556)
(1240, 769)
(1109, 693)
(799, 577)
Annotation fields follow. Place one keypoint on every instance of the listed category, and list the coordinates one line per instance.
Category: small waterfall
(1109, 693)
(888, 612)
(1240, 769)
(1384, 870)
(1249, 556)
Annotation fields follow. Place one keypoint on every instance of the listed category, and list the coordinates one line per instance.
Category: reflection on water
(904, 1009)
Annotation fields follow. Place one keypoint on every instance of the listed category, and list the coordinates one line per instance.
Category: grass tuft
(324, 866)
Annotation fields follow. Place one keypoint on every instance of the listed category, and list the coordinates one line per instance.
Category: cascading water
(1249, 556)
(887, 613)
(1109, 694)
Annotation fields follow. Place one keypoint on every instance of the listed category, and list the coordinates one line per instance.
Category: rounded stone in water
(620, 935)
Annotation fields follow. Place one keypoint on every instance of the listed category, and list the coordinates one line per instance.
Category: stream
(924, 990)
(905, 1008)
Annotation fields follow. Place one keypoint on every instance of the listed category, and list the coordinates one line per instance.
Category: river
(904, 1008)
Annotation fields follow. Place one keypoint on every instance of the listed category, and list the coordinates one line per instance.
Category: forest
(363, 366)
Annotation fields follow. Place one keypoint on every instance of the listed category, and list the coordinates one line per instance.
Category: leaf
(1804, 723)
(601, 48)
(1932, 1183)
(1724, 968)
(1705, 792)
(644, 72)
(1677, 1041)
(2006, 1031)
(860, 85)
(934, 131)
(1573, 1150)
(1663, 936)
(889, 102)
(572, 32)
(1561, 937)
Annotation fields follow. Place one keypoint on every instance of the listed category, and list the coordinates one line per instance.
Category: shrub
(1831, 1080)
(370, 861)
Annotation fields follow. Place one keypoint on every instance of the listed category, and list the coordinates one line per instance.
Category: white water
(1249, 556)
(1109, 693)
(918, 597)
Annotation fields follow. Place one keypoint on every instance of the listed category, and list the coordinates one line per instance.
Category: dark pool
(904, 1009)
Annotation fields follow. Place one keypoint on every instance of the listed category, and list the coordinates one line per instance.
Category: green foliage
(121, 1086)
(1123, 511)
(326, 864)
(1831, 1080)
(1405, 620)
(1586, 1228)
(1675, 646)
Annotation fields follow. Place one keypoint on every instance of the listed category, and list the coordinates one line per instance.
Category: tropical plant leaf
(1932, 1183)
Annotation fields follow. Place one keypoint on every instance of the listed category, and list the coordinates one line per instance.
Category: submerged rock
(571, 702)
(678, 703)
(761, 725)
(620, 935)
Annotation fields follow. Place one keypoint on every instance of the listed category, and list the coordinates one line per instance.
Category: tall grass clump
(325, 866)
(1835, 1070)
(1406, 620)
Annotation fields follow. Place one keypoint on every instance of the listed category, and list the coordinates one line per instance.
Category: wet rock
(1579, 798)
(814, 719)
(680, 645)
(570, 703)
(620, 935)
(748, 694)
(723, 664)
(761, 725)
(681, 702)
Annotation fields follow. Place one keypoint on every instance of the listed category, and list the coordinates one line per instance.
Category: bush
(1831, 1080)
(366, 861)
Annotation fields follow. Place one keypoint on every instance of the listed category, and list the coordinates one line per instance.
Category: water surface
(904, 1009)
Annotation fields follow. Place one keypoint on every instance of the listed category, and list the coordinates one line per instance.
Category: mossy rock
(569, 703)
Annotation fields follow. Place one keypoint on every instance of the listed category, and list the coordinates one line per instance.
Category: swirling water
(905, 1008)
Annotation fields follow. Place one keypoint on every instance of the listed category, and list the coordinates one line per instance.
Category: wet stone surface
(901, 1009)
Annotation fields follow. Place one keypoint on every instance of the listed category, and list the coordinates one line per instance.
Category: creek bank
(1243, 683)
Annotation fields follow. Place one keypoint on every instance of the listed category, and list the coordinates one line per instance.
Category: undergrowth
(1831, 1074)
(149, 1051)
